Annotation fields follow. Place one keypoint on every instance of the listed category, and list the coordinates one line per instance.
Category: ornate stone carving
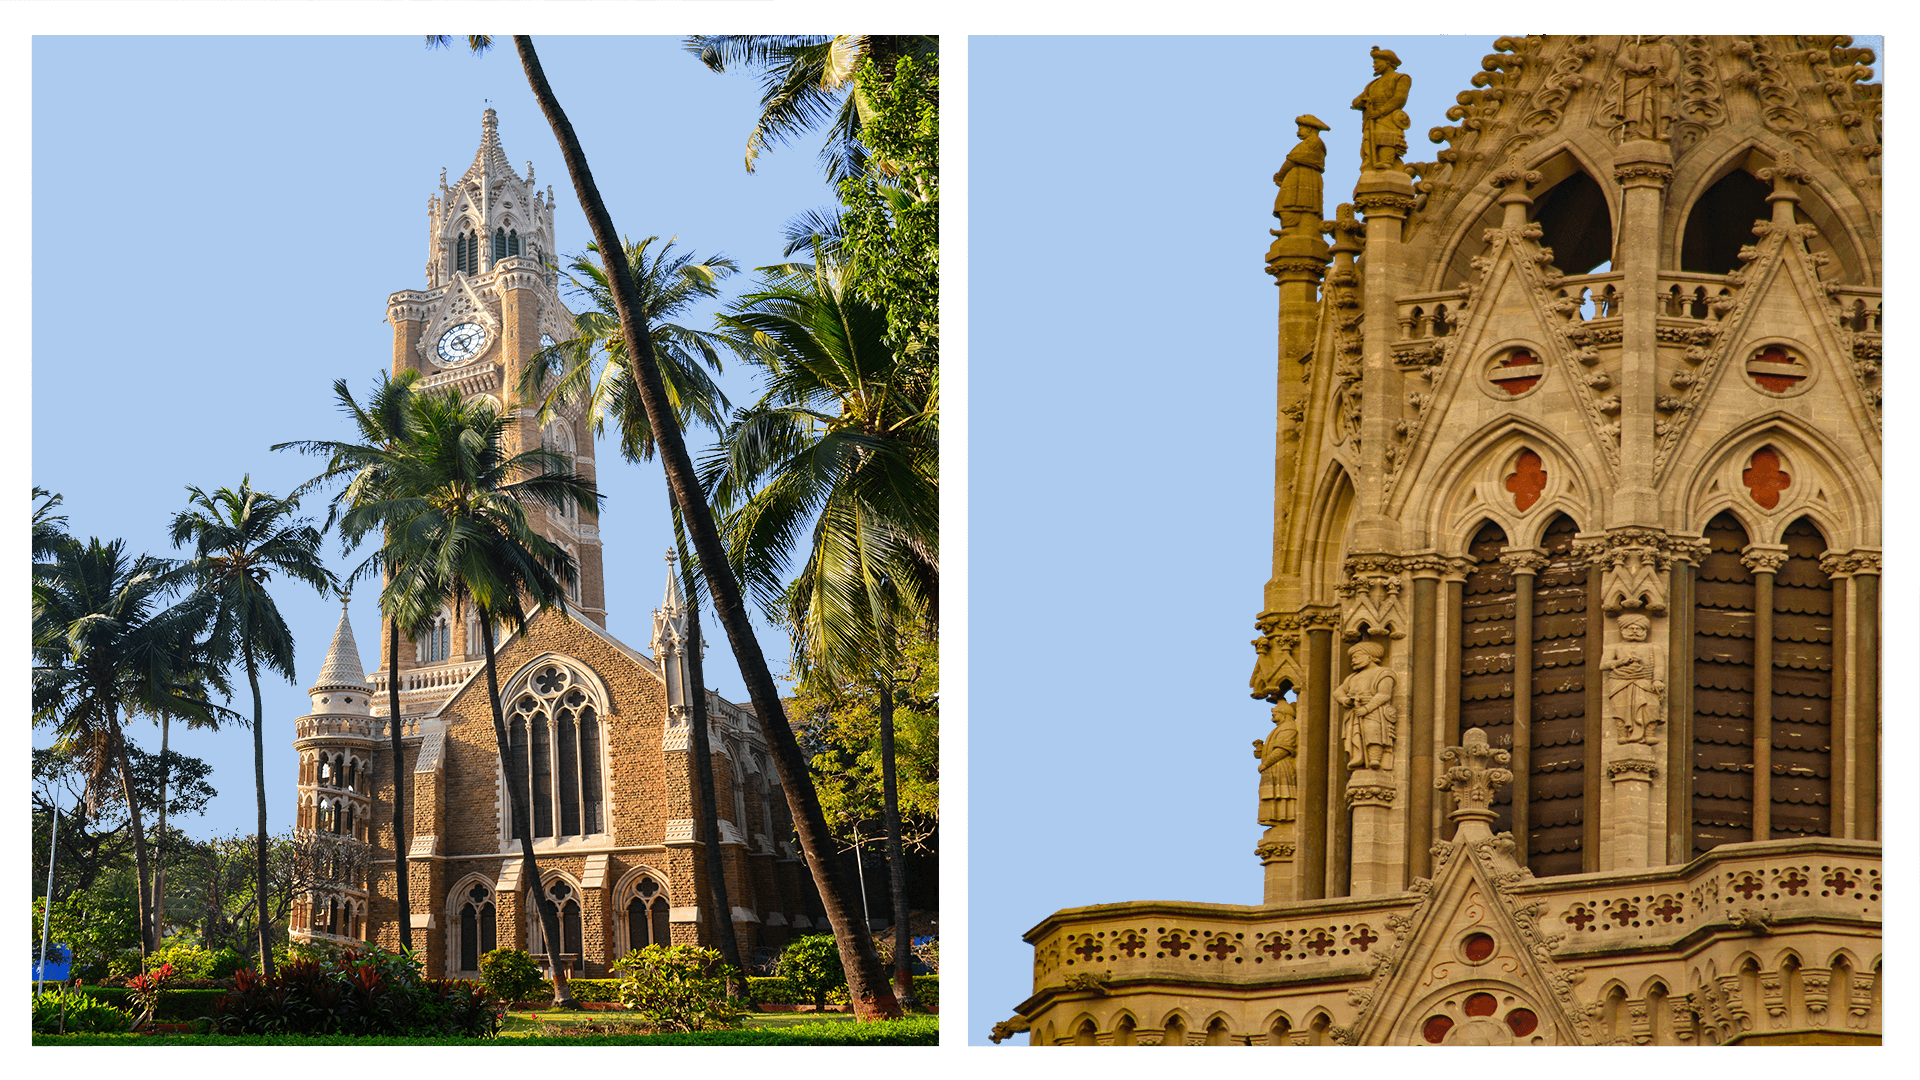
(1636, 687)
(1764, 559)
(1627, 175)
(1370, 597)
(1383, 123)
(1849, 563)
(1369, 725)
(1369, 794)
(1632, 768)
(1276, 754)
(1640, 99)
(1298, 205)
(1274, 850)
(1472, 771)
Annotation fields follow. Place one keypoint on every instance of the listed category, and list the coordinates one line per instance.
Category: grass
(536, 1029)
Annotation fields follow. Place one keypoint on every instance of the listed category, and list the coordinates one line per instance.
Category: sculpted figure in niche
(1636, 695)
(1367, 697)
(1646, 68)
(1278, 782)
(1298, 204)
(1383, 124)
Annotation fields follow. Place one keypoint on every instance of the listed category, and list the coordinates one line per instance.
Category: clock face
(461, 344)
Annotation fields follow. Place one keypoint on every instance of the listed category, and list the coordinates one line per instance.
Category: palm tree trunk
(523, 832)
(142, 895)
(260, 835)
(160, 845)
(399, 785)
(709, 806)
(866, 982)
(896, 859)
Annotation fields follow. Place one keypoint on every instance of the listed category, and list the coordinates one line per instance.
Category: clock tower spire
(491, 301)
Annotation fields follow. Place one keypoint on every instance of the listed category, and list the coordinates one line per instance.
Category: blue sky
(253, 201)
(1121, 475)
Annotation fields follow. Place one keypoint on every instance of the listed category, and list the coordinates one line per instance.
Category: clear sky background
(218, 222)
(1121, 472)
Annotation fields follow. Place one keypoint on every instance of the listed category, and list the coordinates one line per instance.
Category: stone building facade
(601, 732)
(1572, 637)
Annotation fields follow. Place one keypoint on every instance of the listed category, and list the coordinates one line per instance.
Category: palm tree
(241, 538)
(369, 468)
(105, 646)
(846, 438)
(454, 511)
(866, 984)
(668, 285)
(808, 78)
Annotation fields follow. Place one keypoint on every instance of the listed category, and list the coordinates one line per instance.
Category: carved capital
(1383, 203)
(1643, 174)
(1275, 851)
(1764, 558)
(1286, 268)
(1369, 794)
(1631, 769)
(1848, 563)
(1427, 564)
(1512, 172)
(1523, 560)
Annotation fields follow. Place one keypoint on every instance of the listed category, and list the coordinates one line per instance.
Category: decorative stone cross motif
(1838, 881)
(1363, 939)
(1277, 946)
(1749, 885)
(1134, 943)
(1669, 907)
(1764, 478)
(1176, 944)
(1792, 881)
(1472, 772)
(1579, 917)
(1320, 943)
(1088, 948)
(1221, 948)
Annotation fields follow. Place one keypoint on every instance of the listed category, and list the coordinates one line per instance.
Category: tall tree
(866, 983)
(106, 645)
(370, 468)
(809, 78)
(454, 511)
(592, 370)
(843, 448)
(240, 539)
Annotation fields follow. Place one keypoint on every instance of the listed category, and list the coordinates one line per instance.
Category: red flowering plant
(145, 991)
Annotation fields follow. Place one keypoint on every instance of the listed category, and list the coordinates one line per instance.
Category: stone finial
(1472, 771)
(341, 669)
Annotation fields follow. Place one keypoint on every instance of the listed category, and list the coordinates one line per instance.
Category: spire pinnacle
(342, 668)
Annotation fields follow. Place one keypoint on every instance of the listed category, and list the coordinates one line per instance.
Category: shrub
(72, 1010)
(583, 990)
(677, 988)
(370, 992)
(510, 974)
(812, 964)
(178, 1004)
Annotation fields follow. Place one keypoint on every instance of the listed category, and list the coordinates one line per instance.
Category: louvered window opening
(1723, 655)
(1486, 653)
(554, 756)
(505, 243)
(1801, 736)
(1557, 728)
(466, 253)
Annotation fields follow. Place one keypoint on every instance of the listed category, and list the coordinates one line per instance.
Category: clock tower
(491, 302)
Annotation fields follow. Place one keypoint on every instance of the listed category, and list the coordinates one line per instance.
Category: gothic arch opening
(1576, 223)
(1487, 653)
(1723, 653)
(1801, 733)
(1721, 221)
(1557, 696)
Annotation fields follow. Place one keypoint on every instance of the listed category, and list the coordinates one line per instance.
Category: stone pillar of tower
(1643, 169)
(1386, 198)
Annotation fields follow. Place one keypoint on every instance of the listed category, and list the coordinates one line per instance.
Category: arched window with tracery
(476, 925)
(436, 642)
(555, 755)
(567, 900)
(644, 914)
(1800, 735)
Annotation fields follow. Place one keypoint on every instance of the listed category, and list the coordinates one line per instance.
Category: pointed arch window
(499, 243)
(1723, 640)
(477, 928)
(645, 915)
(563, 896)
(436, 644)
(1486, 652)
(1556, 764)
(555, 754)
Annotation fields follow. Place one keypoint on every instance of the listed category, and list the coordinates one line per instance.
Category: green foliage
(190, 1003)
(357, 992)
(812, 965)
(891, 219)
(511, 975)
(97, 926)
(839, 727)
(677, 987)
(912, 1031)
(583, 990)
(73, 1010)
(190, 962)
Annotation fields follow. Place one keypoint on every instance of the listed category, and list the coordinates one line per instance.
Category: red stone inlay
(1481, 1004)
(1518, 384)
(1527, 480)
(1784, 378)
(1764, 478)
(1437, 1028)
(1477, 947)
(1522, 1021)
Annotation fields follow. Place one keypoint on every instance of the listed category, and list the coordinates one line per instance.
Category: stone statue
(1367, 695)
(1647, 67)
(1298, 204)
(1636, 695)
(1278, 782)
(1383, 124)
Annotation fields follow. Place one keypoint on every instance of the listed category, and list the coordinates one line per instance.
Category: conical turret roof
(342, 670)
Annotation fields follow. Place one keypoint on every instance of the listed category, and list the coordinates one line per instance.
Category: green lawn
(533, 1029)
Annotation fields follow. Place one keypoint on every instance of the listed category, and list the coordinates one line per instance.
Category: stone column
(1377, 864)
(1765, 560)
(1855, 721)
(1623, 835)
(1426, 572)
(1277, 866)
(1643, 169)
(1297, 262)
(1317, 698)
(1386, 198)
(1523, 563)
